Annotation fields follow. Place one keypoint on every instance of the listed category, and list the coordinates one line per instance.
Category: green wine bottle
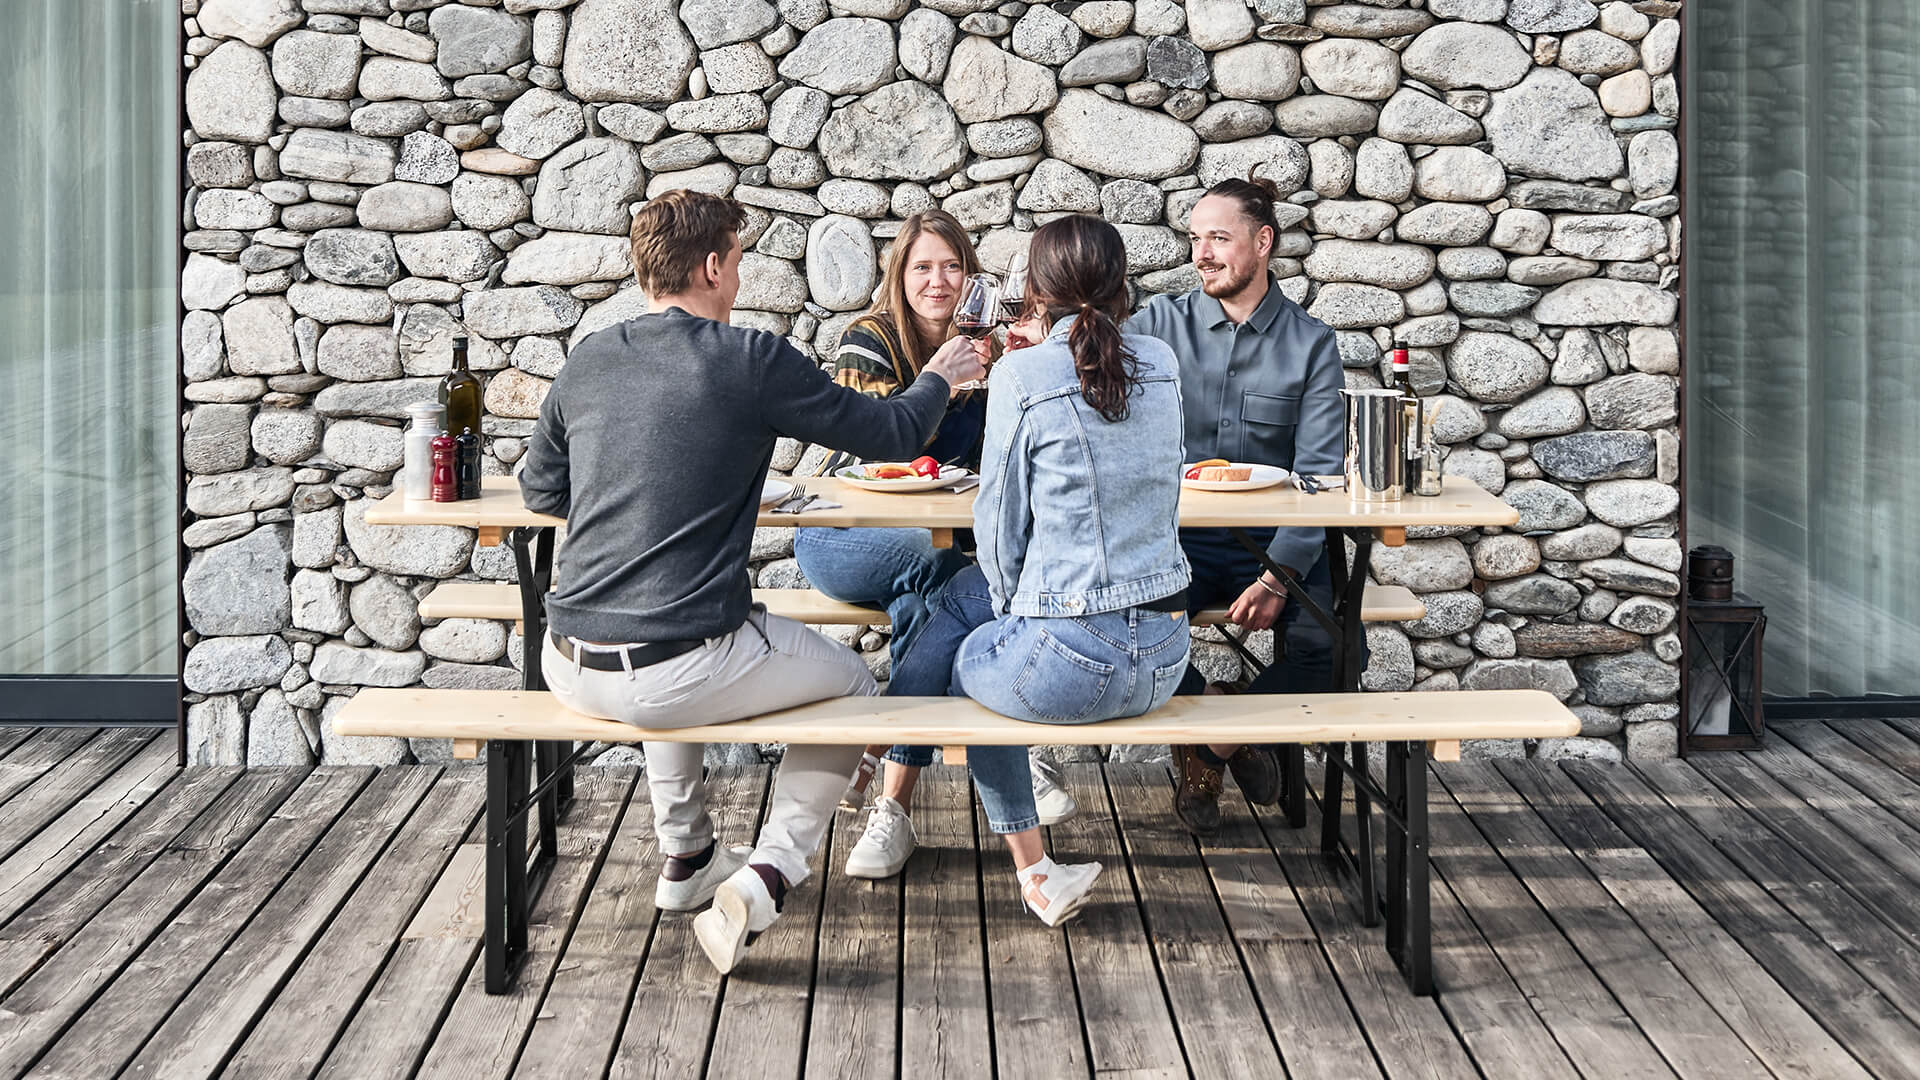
(460, 393)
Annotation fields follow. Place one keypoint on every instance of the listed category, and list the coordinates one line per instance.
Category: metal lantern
(1720, 691)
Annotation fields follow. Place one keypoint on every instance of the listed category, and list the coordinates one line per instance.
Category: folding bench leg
(508, 899)
(533, 564)
(1409, 901)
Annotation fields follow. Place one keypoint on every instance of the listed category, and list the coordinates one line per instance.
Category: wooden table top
(1461, 502)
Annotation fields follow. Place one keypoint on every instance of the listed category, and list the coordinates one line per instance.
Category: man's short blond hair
(673, 234)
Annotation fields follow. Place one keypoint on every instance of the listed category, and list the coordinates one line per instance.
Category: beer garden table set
(499, 515)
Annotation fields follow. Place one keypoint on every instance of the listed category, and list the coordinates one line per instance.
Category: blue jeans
(897, 570)
(1051, 671)
(1222, 570)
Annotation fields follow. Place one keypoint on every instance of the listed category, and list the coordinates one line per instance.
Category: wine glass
(977, 314)
(1013, 290)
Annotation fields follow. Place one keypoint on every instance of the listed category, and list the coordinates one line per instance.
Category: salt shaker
(416, 478)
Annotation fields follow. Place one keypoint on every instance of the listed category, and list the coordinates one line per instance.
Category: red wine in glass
(977, 312)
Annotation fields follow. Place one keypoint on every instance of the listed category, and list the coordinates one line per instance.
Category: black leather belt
(1175, 602)
(646, 654)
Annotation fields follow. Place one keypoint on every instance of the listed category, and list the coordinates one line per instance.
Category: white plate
(853, 475)
(1264, 476)
(774, 490)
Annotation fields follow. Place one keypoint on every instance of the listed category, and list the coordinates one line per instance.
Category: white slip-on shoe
(1056, 893)
(697, 891)
(887, 843)
(1053, 802)
(855, 797)
(742, 908)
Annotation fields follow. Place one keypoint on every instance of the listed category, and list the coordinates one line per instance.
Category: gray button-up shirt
(1266, 391)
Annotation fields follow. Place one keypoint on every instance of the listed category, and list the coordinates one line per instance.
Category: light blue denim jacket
(1077, 515)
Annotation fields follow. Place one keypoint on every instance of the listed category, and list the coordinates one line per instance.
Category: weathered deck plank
(1035, 1031)
(116, 1023)
(669, 1024)
(1222, 1028)
(1753, 1002)
(42, 752)
(944, 1026)
(1129, 1023)
(209, 1024)
(315, 1002)
(578, 1025)
(1871, 1026)
(482, 1033)
(1693, 1038)
(1317, 1033)
(856, 982)
(65, 841)
(175, 832)
(55, 791)
(1739, 915)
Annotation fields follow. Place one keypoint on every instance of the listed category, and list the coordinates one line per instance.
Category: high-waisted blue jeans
(897, 570)
(1075, 670)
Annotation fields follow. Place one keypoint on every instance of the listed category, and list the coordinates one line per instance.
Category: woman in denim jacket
(1077, 610)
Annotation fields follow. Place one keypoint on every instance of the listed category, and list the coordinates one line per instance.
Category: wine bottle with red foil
(446, 469)
(460, 392)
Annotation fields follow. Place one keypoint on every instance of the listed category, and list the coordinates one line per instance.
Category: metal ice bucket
(1376, 446)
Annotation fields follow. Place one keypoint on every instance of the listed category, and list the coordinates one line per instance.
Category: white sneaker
(1055, 891)
(695, 892)
(1052, 800)
(855, 796)
(887, 843)
(742, 908)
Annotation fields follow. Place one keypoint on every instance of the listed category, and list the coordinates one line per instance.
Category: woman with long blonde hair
(899, 570)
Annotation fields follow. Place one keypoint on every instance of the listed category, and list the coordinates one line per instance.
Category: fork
(797, 495)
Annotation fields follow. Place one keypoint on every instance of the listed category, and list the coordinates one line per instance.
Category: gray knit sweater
(653, 443)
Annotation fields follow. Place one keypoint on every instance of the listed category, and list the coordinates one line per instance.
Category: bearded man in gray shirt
(654, 443)
(1260, 381)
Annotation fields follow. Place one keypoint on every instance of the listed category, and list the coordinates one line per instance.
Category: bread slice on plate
(1226, 472)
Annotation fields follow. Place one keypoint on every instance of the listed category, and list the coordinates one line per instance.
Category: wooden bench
(527, 728)
(501, 600)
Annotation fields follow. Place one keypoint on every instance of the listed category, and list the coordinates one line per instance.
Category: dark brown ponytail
(1077, 266)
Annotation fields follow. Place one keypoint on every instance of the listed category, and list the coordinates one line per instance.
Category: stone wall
(1490, 182)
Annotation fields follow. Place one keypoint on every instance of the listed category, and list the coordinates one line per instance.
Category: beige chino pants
(770, 663)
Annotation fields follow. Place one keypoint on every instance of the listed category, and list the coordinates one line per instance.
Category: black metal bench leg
(505, 931)
(1293, 762)
(1397, 886)
(1363, 841)
(1330, 797)
(533, 563)
(1418, 962)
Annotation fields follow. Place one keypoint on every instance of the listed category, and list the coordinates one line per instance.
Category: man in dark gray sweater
(654, 443)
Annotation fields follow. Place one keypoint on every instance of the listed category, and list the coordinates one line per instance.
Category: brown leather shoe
(1196, 797)
(1257, 770)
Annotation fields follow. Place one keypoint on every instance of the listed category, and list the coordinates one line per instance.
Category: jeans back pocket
(1059, 685)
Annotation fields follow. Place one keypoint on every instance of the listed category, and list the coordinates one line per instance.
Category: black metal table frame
(1402, 801)
(523, 775)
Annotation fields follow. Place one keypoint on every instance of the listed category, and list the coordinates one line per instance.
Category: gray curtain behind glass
(1803, 419)
(87, 331)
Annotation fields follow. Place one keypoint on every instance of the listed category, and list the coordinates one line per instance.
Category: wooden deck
(1732, 916)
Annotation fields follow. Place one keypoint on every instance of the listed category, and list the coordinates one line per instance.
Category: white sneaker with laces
(1049, 798)
(855, 797)
(742, 908)
(1055, 891)
(887, 843)
(695, 892)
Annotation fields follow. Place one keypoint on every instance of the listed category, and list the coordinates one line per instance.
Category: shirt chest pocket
(1269, 423)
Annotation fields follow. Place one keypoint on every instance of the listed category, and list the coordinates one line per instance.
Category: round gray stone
(639, 51)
